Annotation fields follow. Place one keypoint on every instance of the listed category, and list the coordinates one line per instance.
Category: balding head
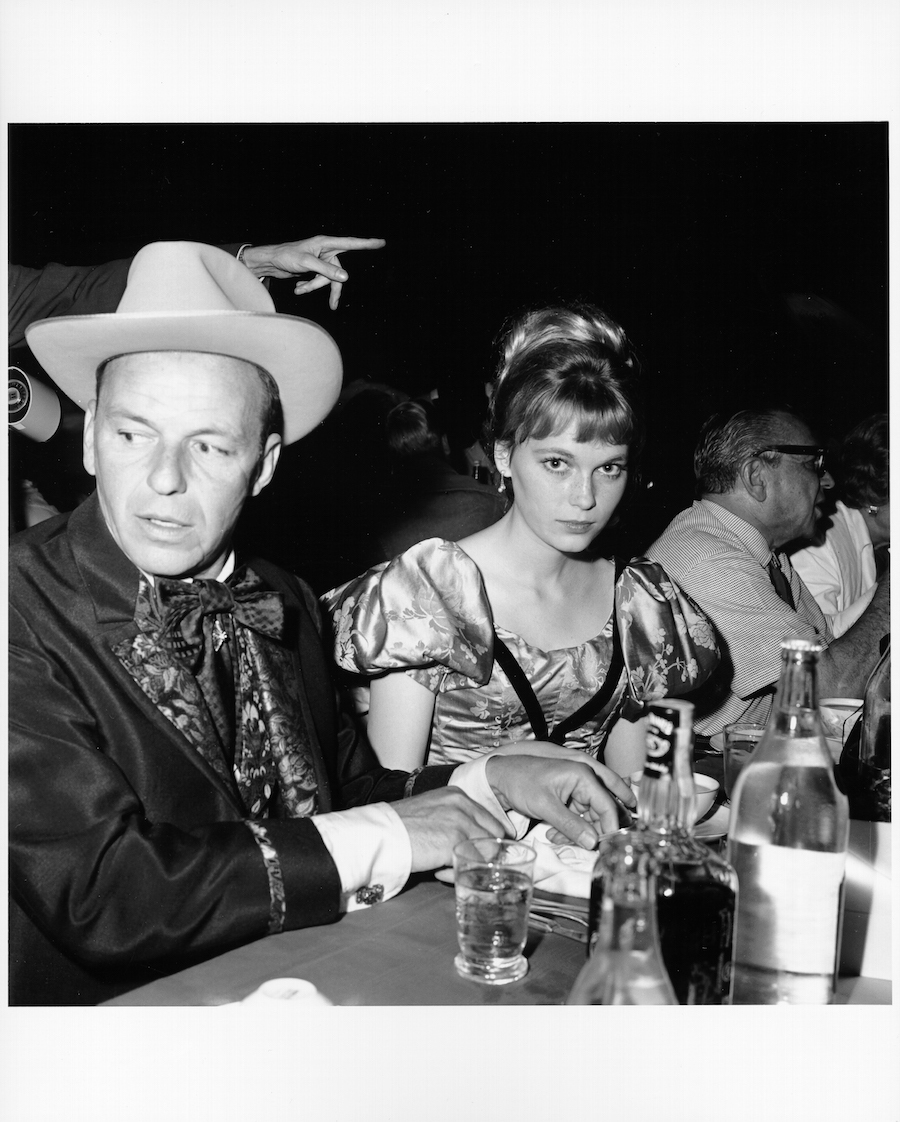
(727, 443)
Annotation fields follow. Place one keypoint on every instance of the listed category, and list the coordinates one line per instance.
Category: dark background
(747, 262)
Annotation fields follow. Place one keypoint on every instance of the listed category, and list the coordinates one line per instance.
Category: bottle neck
(627, 927)
(667, 800)
(795, 712)
(628, 908)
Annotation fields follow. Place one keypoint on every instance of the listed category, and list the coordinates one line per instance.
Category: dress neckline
(605, 632)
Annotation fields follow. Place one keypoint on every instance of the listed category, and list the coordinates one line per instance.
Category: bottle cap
(793, 645)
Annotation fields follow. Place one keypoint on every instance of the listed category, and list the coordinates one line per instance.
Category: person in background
(761, 483)
(841, 568)
(180, 778)
(428, 498)
(524, 631)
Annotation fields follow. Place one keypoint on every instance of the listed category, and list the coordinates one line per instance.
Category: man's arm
(76, 290)
(62, 290)
(120, 848)
(846, 664)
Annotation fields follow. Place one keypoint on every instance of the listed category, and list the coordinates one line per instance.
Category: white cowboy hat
(184, 296)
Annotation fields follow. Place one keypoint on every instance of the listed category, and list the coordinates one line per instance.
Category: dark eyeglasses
(799, 450)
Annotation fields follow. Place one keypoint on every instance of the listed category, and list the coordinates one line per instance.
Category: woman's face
(565, 491)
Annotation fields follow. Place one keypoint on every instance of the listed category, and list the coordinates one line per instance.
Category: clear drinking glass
(494, 879)
(740, 741)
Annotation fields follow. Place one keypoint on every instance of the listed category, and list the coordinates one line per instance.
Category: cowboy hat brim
(302, 357)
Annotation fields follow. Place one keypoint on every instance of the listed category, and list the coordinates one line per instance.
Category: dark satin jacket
(129, 855)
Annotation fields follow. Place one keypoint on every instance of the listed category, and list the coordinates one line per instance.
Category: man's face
(795, 495)
(174, 443)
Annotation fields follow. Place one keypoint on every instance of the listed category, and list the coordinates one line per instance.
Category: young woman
(524, 631)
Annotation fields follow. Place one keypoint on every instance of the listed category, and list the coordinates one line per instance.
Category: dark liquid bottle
(695, 889)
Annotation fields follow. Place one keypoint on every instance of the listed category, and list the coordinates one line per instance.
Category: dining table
(397, 953)
(401, 952)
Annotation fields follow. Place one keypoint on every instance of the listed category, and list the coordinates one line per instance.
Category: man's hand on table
(439, 820)
(567, 789)
(318, 254)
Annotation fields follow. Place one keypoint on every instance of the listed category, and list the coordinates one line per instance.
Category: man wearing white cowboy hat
(181, 779)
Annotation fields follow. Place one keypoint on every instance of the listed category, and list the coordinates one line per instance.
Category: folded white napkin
(562, 869)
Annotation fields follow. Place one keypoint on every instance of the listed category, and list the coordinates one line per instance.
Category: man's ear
(87, 440)
(502, 456)
(754, 474)
(268, 461)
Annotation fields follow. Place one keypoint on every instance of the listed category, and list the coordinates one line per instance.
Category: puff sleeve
(425, 612)
(669, 645)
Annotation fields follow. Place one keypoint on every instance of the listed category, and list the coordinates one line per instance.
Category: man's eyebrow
(118, 415)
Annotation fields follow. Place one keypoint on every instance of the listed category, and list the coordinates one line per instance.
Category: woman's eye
(612, 471)
(555, 463)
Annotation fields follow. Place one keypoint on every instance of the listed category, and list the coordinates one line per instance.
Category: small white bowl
(706, 789)
(839, 715)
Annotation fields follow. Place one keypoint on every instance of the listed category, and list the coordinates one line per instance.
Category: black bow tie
(184, 606)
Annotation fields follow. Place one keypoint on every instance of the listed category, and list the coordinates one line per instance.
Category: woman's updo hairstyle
(563, 367)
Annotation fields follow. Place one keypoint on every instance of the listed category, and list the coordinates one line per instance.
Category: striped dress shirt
(721, 562)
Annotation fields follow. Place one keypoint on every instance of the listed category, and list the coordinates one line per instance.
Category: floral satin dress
(426, 613)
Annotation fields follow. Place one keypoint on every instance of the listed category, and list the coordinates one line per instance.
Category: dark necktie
(198, 620)
(780, 581)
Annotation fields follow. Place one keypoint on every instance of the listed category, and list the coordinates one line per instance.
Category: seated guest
(428, 498)
(175, 753)
(525, 631)
(839, 568)
(761, 481)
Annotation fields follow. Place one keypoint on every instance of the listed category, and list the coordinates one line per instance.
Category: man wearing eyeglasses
(761, 479)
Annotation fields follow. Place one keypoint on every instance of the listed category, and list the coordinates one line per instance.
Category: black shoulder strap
(601, 698)
(522, 686)
(593, 705)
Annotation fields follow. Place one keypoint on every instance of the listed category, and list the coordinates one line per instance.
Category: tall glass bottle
(866, 759)
(625, 966)
(695, 888)
(787, 840)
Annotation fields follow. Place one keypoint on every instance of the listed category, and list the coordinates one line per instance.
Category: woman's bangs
(612, 425)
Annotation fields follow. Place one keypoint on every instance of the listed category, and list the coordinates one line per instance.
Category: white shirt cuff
(471, 778)
(370, 847)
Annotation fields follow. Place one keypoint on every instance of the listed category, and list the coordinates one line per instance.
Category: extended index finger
(338, 243)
